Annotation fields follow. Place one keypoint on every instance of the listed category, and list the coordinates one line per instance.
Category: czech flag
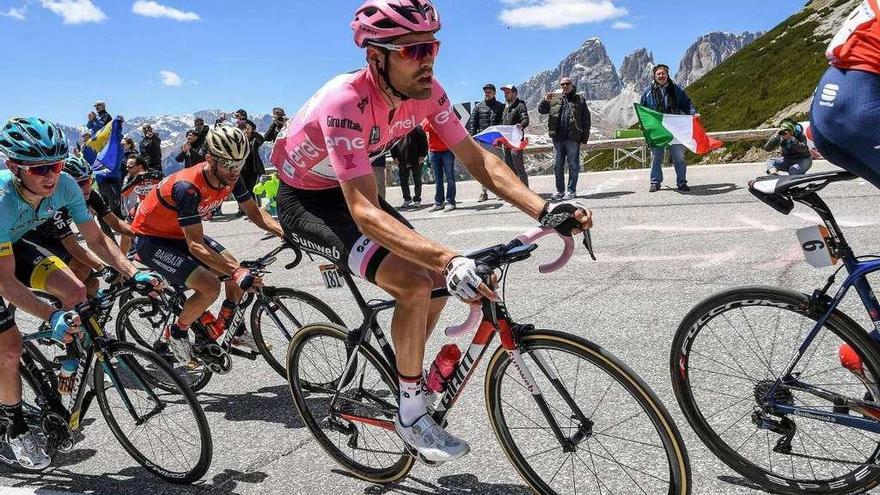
(509, 136)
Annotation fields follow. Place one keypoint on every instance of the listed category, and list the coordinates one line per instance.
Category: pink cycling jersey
(332, 138)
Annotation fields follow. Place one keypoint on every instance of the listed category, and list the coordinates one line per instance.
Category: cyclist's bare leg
(10, 376)
(82, 272)
(65, 285)
(436, 305)
(410, 285)
(207, 287)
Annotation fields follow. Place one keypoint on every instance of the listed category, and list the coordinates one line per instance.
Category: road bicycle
(166, 433)
(570, 417)
(782, 385)
(276, 314)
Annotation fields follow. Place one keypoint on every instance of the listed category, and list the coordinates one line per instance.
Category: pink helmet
(381, 20)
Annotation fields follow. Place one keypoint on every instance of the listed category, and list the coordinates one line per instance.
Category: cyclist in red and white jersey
(845, 116)
(328, 201)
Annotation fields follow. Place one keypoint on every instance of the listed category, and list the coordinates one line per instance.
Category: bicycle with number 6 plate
(276, 314)
(570, 417)
(167, 433)
(782, 385)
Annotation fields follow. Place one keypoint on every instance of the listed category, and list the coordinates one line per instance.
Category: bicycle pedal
(245, 354)
(426, 462)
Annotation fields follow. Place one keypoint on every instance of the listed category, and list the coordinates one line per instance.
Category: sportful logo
(829, 93)
(343, 123)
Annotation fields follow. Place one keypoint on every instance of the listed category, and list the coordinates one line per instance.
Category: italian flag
(662, 129)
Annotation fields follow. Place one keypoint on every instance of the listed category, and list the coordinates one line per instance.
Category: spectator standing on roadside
(240, 118)
(190, 154)
(569, 125)
(796, 158)
(378, 164)
(151, 148)
(201, 131)
(664, 96)
(515, 113)
(484, 115)
(99, 118)
(409, 153)
(253, 164)
(442, 162)
(279, 120)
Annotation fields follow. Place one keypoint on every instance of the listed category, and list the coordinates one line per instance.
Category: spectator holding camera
(190, 154)
(151, 148)
(792, 140)
(279, 120)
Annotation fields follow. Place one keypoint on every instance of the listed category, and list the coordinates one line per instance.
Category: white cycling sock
(412, 404)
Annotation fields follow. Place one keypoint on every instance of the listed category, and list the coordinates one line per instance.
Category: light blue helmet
(77, 168)
(26, 140)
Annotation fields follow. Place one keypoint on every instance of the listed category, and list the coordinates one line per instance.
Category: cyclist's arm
(490, 171)
(16, 292)
(195, 241)
(81, 254)
(261, 218)
(361, 194)
(117, 224)
(104, 248)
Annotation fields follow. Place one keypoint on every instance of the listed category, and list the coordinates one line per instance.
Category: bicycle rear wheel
(164, 431)
(357, 431)
(142, 320)
(731, 348)
(276, 319)
(629, 443)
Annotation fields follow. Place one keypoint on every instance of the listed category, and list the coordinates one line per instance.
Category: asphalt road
(658, 255)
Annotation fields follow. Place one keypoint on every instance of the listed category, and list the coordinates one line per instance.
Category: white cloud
(558, 13)
(149, 8)
(170, 78)
(622, 25)
(75, 11)
(15, 13)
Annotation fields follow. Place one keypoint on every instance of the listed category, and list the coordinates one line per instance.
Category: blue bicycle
(781, 385)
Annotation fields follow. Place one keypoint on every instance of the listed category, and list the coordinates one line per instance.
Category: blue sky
(62, 55)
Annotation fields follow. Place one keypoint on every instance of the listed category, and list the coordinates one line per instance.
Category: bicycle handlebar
(527, 238)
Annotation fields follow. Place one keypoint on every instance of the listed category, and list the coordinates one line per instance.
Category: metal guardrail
(610, 144)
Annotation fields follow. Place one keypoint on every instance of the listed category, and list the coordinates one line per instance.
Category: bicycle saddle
(777, 191)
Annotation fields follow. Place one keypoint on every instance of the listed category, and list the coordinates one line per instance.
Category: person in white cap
(99, 118)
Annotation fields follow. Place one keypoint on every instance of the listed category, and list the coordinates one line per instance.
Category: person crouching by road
(792, 140)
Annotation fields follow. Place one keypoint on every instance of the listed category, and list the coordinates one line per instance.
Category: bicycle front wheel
(351, 417)
(164, 431)
(730, 351)
(142, 320)
(278, 316)
(614, 435)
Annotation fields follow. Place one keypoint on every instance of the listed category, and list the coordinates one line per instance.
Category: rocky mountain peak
(589, 67)
(635, 72)
(707, 52)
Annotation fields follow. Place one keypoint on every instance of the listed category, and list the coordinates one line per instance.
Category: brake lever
(588, 243)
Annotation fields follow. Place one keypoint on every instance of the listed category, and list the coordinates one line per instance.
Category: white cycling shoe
(429, 439)
(28, 452)
(181, 349)
(247, 340)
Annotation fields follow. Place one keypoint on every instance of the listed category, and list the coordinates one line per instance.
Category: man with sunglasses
(328, 202)
(56, 235)
(169, 237)
(32, 189)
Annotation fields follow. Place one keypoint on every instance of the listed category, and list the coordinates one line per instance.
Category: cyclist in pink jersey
(845, 115)
(328, 201)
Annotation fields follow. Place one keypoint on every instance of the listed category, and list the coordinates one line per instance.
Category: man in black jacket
(201, 131)
(515, 113)
(484, 115)
(278, 122)
(190, 154)
(569, 126)
(151, 148)
(409, 153)
(253, 164)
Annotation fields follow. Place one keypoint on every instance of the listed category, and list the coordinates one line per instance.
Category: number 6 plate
(814, 241)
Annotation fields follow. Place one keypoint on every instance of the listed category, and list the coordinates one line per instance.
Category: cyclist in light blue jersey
(32, 190)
